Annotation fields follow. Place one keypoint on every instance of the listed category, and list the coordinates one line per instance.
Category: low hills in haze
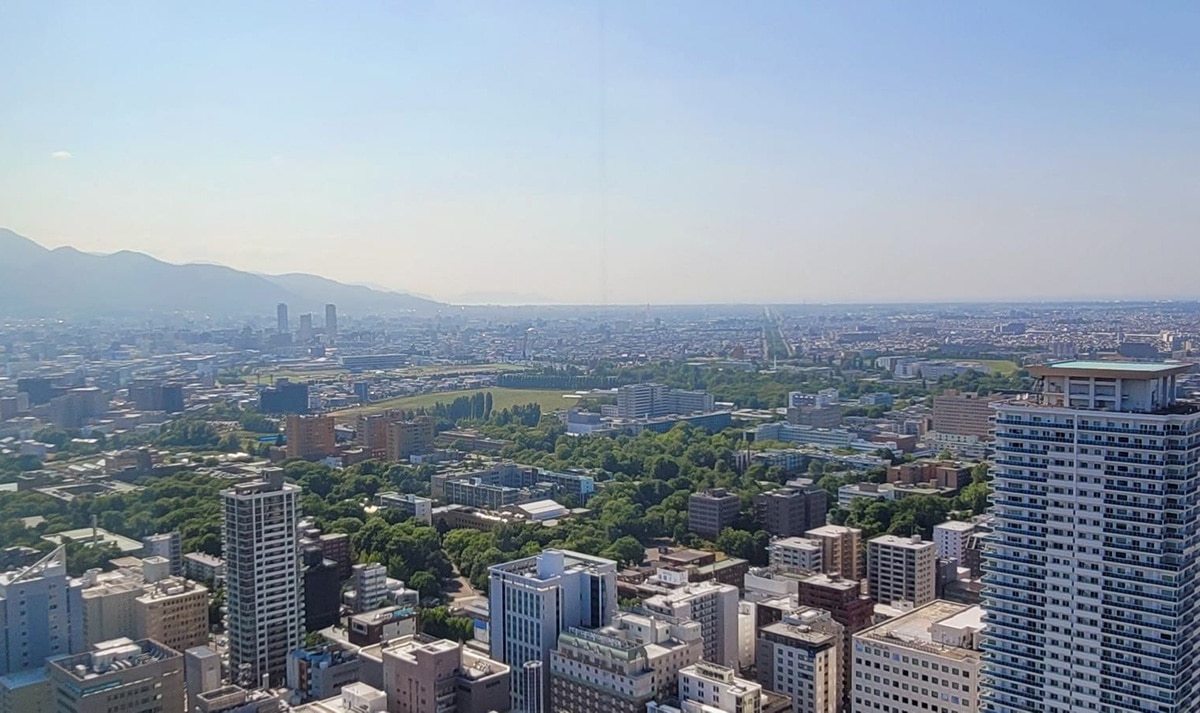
(38, 282)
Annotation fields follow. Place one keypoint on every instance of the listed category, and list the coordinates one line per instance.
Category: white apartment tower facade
(1091, 574)
(264, 585)
(533, 600)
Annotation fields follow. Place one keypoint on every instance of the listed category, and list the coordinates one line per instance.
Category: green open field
(1000, 366)
(549, 399)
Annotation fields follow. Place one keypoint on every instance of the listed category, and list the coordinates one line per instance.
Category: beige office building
(926, 660)
(962, 414)
(174, 612)
(109, 600)
(902, 569)
(119, 676)
(620, 668)
(442, 676)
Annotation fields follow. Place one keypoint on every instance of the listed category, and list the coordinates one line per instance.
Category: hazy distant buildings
(636, 401)
(331, 321)
(282, 325)
(284, 397)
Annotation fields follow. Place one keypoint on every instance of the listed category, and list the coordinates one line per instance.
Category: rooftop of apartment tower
(1111, 369)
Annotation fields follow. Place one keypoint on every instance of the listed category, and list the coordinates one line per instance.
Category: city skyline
(585, 154)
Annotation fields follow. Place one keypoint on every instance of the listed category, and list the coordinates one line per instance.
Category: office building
(27, 692)
(153, 395)
(443, 676)
(409, 438)
(371, 432)
(901, 569)
(41, 614)
(951, 538)
(407, 505)
(679, 401)
(203, 567)
(336, 546)
(637, 401)
(383, 624)
(119, 676)
(320, 672)
(815, 416)
(109, 600)
(791, 511)
(671, 644)
(640, 400)
(264, 589)
(201, 673)
(712, 604)
(962, 414)
(1090, 576)
(711, 511)
(331, 324)
(796, 553)
(322, 590)
(534, 598)
(306, 327)
(174, 612)
(284, 397)
(841, 550)
(949, 475)
(718, 686)
(928, 659)
(801, 657)
(310, 437)
(370, 585)
(169, 546)
(282, 326)
(620, 668)
(847, 605)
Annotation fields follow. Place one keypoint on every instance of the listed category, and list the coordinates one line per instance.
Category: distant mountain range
(38, 282)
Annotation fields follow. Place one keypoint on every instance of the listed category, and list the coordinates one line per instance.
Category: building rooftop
(90, 537)
(1111, 368)
(956, 525)
(915, 542)
(109, 656)
(916, 629)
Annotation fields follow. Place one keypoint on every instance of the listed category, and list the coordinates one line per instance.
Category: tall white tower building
(535, 599)
(264, 585)
(1091, 575)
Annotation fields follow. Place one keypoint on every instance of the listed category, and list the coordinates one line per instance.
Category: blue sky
(745, 152)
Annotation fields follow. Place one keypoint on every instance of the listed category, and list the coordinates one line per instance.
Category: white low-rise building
(928, 659)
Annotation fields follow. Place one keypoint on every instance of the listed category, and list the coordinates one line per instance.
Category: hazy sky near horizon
(746, 152)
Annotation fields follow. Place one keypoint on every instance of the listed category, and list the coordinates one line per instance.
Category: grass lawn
(1000, 366)
(549, 399)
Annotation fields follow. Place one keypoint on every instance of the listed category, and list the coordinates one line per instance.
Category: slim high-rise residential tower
(264, 587)
(1091, 575)
(281, 319)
